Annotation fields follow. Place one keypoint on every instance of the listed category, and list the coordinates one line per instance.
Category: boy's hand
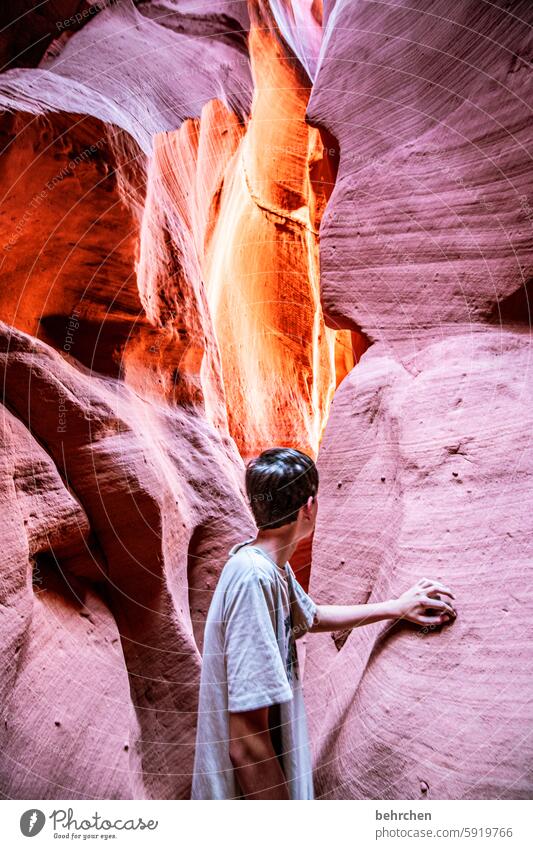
(423, 604)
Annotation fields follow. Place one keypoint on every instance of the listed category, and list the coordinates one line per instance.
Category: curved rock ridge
(106, 586)
(129, 71)
(430, 223)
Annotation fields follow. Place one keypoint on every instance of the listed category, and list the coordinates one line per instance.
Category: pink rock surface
(425, 472)
(426, 463)
(429, 225)
(106, 497)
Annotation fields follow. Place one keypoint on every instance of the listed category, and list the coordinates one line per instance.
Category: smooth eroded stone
(435, 457)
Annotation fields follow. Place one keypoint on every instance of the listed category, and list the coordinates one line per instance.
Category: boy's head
(279, 483)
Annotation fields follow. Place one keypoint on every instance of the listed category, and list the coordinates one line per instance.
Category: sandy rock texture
(426, 465)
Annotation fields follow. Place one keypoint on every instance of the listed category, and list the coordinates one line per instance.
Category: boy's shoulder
(245, 564)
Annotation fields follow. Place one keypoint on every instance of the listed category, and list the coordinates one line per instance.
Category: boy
(252, 738)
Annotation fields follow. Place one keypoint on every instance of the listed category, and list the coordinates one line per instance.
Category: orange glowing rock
(239, 209)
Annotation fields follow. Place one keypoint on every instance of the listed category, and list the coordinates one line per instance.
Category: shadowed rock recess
(213, 214)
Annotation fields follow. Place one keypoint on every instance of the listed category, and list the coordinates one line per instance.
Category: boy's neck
(278, 543)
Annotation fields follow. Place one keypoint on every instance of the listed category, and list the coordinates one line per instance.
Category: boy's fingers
(433, 620)
(437, 587)
(438, 604)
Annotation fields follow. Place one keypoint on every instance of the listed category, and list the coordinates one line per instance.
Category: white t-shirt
(250, 661)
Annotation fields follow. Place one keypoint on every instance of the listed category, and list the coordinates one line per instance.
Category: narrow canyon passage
(207, 219)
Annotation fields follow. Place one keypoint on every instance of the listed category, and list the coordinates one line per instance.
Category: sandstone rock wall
(426, 464)
(106, 588)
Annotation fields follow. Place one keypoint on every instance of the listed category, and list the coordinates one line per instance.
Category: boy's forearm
(259, 774)
(251, 751)
(336, 617)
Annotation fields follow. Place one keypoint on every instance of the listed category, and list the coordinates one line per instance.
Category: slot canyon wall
(426, 246)
(213, 214)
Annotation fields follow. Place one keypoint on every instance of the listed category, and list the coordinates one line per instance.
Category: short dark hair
(278, 483)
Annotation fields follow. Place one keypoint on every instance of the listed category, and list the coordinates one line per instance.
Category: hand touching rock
(422, 603)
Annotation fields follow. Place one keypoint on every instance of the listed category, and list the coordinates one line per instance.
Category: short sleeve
(255, 671)
(303, 608)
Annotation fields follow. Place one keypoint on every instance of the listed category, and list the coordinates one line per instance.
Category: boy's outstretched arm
(421, 604)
